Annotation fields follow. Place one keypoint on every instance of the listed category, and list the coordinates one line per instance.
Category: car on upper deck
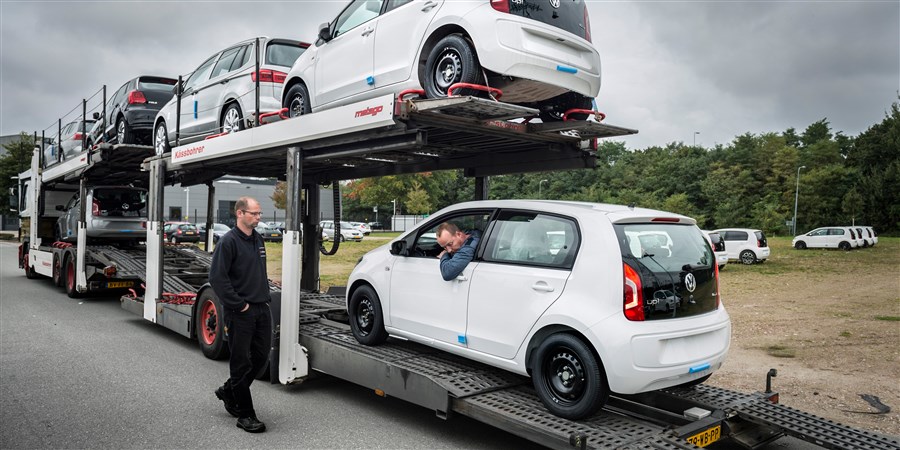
(585, 298)
(538, 52)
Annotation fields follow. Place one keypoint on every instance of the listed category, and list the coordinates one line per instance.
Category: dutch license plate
(706, 437)
(119, 284)
(274, 235)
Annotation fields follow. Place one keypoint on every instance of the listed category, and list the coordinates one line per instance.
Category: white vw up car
(747, 245)
(825, 237)
(585, 298)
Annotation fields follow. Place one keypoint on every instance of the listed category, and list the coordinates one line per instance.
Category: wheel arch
(548, 330)
(291, 83)
(194, 307)
(229, 100)
(432, 40)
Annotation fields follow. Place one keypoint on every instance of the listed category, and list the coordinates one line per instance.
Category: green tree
(16, 160)
(417, 200)
(279, 195)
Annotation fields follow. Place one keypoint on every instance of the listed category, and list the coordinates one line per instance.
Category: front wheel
(800, 245)
(297, 101)
(29, 269)
(451, 61)
(366, 317)
(567, 377)
(161, 139)
(211, 326)
(748, 257)
(71, 288)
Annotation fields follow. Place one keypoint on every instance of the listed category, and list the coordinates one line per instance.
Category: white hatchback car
(825, 237)
(540, 56)
(582, 297)
(717, 243)
(745, 244)
(348, 232)
(218, 96)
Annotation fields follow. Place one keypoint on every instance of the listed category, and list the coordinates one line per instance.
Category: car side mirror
(96, 115)
(325, 32)
(60, 208)
(399, 248)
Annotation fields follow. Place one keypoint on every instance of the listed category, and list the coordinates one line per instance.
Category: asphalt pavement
(84, 373)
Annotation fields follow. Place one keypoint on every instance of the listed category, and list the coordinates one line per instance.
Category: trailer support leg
(293, 365)
(481, 188)
(80, 280)
(154, 286)
(310, 270)
(210, 204)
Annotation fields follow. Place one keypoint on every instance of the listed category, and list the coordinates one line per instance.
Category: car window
(426, 242)
(120, 202)
(187, 227)
(394, 4)
(283, 53)
(735, 235)
(156, 84)
(664, 247)
(223, 66)
(358, 13)
(532, 238)
(117, 99)
(822, 232)
(835, 232)
(201, 74)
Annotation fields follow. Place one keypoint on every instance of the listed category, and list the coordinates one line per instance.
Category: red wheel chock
(280, 113)
(404, 93)
(493, 92)
(597, 114)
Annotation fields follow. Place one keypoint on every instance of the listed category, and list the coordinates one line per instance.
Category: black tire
(29, 270)
(297, 101)
(161, 139)
(232, 119)
(748, 257)
(722, 267)
(57, 272)
(552, 110)
(451, 61)
(173, 239)
(366, 316)
(568, 378)
(844, 246)
(71, 278)
(123, 132)
(800, 245)
(696, 382)
(211, 326)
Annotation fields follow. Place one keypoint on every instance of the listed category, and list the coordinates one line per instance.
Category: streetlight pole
(540, 186)
(796, 197)
(695, 137)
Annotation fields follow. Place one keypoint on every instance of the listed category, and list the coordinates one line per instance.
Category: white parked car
(218, 96)
(745, 244)
(348, 232)
(717, 243)
(362, 227)
(539, 55)
(580, 296)
(871, 235)
(826, 237)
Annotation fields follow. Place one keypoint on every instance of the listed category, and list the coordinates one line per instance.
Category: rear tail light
(95, 208)
(500, 5)
(759, 243)
(587, 24)
(268, 75)
(136, 97)
(144, 224)
(78, 136)
(633, 295)
(178, 231)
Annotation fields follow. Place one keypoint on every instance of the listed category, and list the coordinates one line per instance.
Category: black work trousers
(249, 340)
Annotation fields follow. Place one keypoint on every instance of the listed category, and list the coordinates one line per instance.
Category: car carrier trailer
(393, 136)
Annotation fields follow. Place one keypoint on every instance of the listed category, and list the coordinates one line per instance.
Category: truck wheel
(451, 61)
(211, 326)
(29, 269)
(71, 289)
(748, 257)
(57, 272)
(366, 317)
(567, 377)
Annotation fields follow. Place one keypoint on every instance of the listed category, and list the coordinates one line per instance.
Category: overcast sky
(670, 68)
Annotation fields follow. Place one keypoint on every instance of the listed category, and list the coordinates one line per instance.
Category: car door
(211, 93)
(344, 64)
(112, 110)
(193, 120)
(818, 238)
(401, 30)
(735, 243)
(421, 302)
(526, 261)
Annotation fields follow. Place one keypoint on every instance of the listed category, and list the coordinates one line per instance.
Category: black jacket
(238, 271)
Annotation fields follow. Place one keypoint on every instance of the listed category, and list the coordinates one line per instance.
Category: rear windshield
(666, 256)
(569, 15)
(187, 228)
(761, 238)
(283, 53)
(120, 202)
(155, 84)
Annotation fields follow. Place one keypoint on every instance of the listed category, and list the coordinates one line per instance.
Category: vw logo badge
(125, 206)
(690, 283)
(554, 3)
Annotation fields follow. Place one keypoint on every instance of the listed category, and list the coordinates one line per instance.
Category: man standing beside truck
(238, 277)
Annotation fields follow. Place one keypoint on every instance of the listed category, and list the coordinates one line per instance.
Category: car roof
(738, 229)
(615, 213)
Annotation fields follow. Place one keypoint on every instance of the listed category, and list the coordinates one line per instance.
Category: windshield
(119, 202)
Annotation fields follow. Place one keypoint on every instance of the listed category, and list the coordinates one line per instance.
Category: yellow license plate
(706, 437)
(119, 284)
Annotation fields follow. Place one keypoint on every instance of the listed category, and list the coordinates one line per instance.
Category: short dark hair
(242, 203)
(446, 226)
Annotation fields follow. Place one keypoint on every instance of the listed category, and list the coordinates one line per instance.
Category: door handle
(367, 31)
(540, 286)
(428, 5)
(462, 278)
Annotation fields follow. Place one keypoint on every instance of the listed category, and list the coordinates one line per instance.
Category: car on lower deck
(540, 54)
(587, 299)
(113, 213)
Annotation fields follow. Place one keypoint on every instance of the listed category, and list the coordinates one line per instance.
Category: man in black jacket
(238, 277)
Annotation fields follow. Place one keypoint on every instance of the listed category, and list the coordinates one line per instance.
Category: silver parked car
(218, 96)
(113, 212)
(348, 232)
(72, 135)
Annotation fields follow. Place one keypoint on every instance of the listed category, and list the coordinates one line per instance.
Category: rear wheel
(57, 272)
(29, 269)
(71, 289)
(366, 317)
(210, 326)
(297, 101)
(748, 257)
(232, 119)
(123, 132)
(567, 377)
(161, 139)
(800, 245)
(451, 61)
